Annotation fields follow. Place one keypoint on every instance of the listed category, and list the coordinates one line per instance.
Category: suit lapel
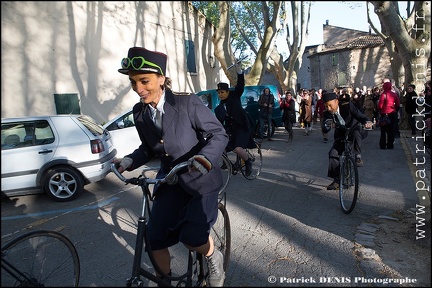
(170, 112)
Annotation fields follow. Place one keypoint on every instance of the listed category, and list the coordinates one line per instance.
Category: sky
(345, 14)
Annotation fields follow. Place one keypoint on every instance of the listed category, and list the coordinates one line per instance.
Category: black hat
(146, 61)
(329, 96)
(222, 86)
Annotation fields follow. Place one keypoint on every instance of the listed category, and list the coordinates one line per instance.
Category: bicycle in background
(40, 258)
(232, 164)
(196, 272)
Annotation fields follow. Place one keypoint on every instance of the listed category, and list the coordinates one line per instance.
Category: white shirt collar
(160, 104)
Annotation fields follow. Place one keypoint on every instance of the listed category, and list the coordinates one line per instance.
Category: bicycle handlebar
(171, 178)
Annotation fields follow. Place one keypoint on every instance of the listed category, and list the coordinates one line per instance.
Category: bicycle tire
(349, 184)
(221, 234)
(46, 258)
(256, 158)
(226, 167)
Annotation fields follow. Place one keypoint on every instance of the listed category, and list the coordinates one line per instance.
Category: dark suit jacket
(351, 115)
(188, 128)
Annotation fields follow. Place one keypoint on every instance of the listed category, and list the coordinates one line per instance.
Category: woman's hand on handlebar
(122, 164)
(199, 163)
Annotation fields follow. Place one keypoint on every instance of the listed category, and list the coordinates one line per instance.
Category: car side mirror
(120, 124)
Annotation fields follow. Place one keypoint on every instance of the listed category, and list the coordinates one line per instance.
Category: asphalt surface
(287, 229)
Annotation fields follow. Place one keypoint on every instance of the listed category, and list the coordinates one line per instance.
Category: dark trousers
(263, 118)
(387, 136)
(411, 122)
(288, 125)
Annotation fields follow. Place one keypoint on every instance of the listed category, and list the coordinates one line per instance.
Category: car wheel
(63, 183)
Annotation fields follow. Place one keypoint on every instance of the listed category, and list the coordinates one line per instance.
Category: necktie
(158, 120)
(339, 119)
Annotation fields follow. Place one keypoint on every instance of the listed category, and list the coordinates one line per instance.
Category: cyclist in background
(345, 115)
(176, 127)
(234, 118)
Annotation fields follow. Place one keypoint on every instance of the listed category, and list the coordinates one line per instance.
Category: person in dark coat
(411, 106)
(266, 103)
(186, 211)
(287, 105)
(345, 115)
(234, 118)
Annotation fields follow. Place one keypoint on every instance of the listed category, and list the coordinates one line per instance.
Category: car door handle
(45, 151)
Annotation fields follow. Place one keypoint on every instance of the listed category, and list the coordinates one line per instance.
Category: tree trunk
(412, 43)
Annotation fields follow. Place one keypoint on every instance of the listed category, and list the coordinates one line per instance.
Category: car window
(207, 100)
(95, 128)
(25, 134)
(124, 121)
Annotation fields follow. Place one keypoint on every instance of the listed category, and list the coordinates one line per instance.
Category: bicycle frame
(40, 258)
(17, 274)
(141, 238)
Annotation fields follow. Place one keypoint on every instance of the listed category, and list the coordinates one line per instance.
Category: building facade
(64, 55)
(348, 58)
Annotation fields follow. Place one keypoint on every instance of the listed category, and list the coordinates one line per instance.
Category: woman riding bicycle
(345, 115)
(176, 127)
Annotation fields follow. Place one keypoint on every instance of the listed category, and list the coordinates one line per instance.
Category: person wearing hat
(233, 117)
(176, 127)
(344, 115)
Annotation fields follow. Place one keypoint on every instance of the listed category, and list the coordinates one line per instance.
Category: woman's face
(223, 94)
(148, 86)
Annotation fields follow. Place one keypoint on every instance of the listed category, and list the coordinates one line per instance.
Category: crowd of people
(381, 107)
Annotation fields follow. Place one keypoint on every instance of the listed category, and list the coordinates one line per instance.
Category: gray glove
(126, 162)
(201, 163)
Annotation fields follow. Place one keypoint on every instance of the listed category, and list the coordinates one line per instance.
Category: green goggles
(137, 63)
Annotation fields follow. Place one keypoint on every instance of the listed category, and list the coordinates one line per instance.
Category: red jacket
(389, 100)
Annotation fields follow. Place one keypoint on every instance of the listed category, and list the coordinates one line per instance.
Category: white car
(125, 136)
(56, 154)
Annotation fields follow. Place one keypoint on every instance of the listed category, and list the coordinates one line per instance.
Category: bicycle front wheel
(225, 165)
(256, 157)
(221, 234)
(40, 259)
(349, 184)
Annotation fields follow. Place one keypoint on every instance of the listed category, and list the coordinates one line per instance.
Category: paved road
(285, 224)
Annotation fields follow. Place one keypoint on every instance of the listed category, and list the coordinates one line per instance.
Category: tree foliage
(252, 27)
